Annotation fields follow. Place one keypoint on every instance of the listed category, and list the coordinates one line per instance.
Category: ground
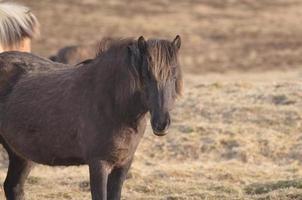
(236, 132)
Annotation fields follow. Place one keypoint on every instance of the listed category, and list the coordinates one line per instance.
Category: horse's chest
(124, 145)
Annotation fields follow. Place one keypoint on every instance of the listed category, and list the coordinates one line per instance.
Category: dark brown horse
(93, 114)
(77, 53)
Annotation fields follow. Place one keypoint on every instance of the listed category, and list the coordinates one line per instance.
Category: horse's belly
(44, 147)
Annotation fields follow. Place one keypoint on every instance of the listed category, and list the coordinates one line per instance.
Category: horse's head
(161, 79)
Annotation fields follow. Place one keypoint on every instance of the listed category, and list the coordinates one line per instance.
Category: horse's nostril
(162, 126)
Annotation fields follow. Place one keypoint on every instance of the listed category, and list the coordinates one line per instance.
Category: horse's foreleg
(98, 171)
(116, 180)
(17, 173)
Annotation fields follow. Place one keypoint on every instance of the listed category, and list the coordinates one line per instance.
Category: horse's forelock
(163, 57)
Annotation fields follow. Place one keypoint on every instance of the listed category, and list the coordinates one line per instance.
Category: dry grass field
(237, 131)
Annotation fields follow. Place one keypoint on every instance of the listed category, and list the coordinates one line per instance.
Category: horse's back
(26, 78)
(30, 62)
(78, 53)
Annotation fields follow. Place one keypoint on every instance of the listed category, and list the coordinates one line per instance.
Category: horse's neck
(135, 108)
(115, 83)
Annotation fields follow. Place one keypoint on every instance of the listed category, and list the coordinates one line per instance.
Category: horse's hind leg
(17, 173)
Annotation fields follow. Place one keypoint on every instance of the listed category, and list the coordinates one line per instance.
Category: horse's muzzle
(160, 133)
(160, 128)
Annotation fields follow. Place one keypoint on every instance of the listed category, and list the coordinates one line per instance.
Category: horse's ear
(142, 44)
(177, 42)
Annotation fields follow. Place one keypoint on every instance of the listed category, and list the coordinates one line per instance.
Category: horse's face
(161, 79)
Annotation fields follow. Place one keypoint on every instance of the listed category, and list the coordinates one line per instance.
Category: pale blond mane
(16, 23)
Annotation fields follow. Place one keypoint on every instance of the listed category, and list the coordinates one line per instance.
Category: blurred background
(236, 132)
(218, 35)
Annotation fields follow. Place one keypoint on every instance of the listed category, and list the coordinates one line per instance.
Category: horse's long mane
(107, 42)
(16, 23)
(113, 63)
(163, 54)
(115, 56)
(114, 53)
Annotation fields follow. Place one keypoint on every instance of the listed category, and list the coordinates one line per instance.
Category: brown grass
(235, 135)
